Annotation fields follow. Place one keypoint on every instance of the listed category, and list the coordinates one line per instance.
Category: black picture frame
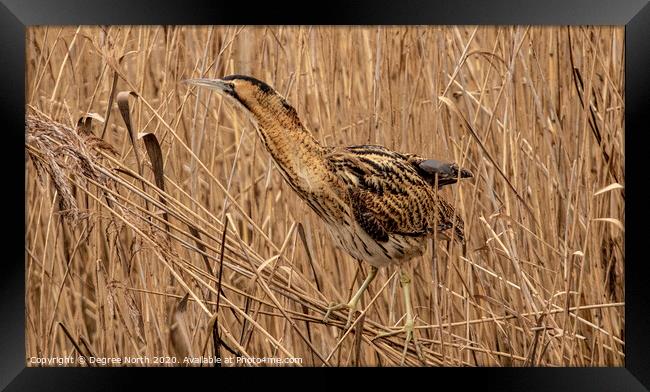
(16, 15)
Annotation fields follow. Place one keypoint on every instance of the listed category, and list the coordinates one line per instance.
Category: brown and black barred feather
(391, 194)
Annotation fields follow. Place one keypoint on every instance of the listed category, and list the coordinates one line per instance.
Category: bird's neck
(297, 154)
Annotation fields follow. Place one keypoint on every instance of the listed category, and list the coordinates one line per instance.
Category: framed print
(429, 186)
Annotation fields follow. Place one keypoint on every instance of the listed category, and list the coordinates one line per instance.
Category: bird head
(244, 90)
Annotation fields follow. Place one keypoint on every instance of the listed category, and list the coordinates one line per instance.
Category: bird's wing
(388, 196)
(446, 172)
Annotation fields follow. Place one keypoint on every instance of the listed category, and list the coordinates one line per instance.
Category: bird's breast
(353, 239)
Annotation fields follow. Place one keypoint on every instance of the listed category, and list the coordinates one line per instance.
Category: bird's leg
(352, 305)
(405, 282)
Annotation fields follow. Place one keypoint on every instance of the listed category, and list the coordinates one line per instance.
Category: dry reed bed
(124, 252)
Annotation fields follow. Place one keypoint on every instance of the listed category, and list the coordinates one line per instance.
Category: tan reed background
(541, 280)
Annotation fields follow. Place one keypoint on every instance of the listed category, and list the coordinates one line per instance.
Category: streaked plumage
(392, 206)
(379, 205)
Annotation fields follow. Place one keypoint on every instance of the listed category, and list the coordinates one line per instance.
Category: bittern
(380, 206)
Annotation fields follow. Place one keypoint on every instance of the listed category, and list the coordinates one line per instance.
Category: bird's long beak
(214, 84)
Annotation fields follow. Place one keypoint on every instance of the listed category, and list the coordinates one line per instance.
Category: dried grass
(177, 236)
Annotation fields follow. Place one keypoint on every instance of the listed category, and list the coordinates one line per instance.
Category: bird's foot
(352, 305)
(408, 329)
(334, 307)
